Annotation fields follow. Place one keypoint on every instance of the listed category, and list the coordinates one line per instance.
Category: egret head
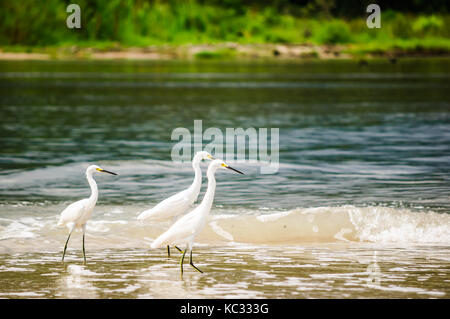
(203, 155)
(218, 163)
(94, 168)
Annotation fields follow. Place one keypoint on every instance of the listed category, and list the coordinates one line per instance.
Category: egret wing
(170, 207)
(182, 229)
(72, 213)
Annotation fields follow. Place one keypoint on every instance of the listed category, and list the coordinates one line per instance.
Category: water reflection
(76, 282)
(374, 273)
(235, 271)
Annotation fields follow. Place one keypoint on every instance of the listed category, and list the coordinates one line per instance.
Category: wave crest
(330, 224)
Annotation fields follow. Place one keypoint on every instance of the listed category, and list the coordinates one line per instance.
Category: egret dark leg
(65, 246)
(168, 250)
(192, 264)
(84, 252)
(181, 262)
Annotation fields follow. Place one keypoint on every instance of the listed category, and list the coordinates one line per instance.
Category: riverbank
(229, 50)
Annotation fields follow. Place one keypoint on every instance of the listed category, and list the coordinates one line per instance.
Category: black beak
(233, 169)
(105, 171)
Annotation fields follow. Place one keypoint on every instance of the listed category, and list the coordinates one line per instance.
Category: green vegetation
(111, 24)
(217, 54)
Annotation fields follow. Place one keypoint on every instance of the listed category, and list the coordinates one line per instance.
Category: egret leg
(168, 250)
(192, 264)
(84, 252)
(65, 246)
(181, 262)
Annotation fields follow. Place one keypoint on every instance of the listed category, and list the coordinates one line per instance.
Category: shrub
(427, 25)
(334, 32)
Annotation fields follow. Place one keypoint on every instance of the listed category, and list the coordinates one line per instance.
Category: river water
(359, 206)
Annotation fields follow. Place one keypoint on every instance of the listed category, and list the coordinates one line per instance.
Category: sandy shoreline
(305, 271)
(213, 51)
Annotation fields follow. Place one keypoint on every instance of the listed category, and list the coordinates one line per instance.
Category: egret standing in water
(185, 229)
(179, 203)
(77, 214)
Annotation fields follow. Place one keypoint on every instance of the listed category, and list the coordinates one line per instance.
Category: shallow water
(234, 271)
(359, 207)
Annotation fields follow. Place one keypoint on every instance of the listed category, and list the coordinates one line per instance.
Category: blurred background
(417, 26)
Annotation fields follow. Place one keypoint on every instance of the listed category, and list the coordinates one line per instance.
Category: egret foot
(192, 264)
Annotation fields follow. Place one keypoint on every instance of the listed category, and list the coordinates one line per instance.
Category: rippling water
(359, 207)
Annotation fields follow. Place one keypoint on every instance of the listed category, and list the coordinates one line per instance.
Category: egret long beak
(233, 169)
(105, 171)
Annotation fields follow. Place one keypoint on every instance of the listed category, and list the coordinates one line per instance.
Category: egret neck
(209, 195)
(94, 189)
(197, 183)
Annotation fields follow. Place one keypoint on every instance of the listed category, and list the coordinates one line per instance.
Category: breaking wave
(329, 224)
(117, 227)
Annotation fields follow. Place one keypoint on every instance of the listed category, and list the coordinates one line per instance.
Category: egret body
(186, 229)
(77, 214)
(180, 202)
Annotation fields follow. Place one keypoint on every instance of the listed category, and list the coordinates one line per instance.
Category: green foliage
(401, 27)
(334, 32)
(428, 25)
(217, 54)
(111, 23)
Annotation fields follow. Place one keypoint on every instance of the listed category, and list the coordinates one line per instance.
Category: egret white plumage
(77, 214)
(180, 202)
(186, 229)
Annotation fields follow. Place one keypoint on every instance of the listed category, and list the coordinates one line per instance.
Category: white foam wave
(345, 223)
(302, 225)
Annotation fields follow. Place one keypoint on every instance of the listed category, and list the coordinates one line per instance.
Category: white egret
(180, 202)
(77, 214)
(185, 229)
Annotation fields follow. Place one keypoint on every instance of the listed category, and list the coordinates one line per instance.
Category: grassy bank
(168, 28)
